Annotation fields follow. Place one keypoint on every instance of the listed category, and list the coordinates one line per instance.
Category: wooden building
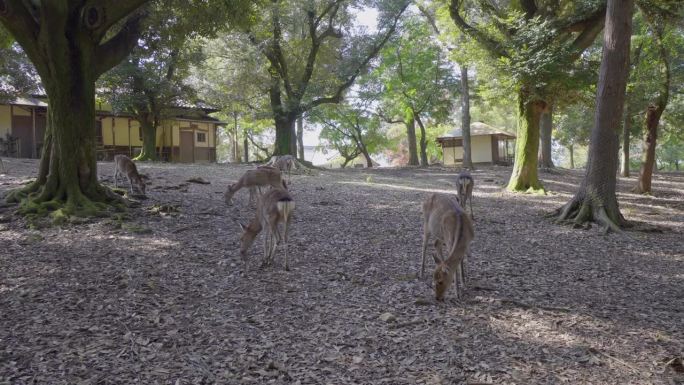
(489, 145)
(189, 136)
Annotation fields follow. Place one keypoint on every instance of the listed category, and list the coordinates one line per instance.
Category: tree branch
(337, 96)
(114, 11)
(490, 44)
(116, 49)
(591, 27)
(19, 21)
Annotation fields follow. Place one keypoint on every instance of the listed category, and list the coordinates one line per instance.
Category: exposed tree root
(37, 201)
(580, 213)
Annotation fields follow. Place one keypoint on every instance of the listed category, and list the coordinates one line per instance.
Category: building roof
(29, 101)
(477, 129)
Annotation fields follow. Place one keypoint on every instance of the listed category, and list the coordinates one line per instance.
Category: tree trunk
(571, 149)
(369, 161)
(525, 176)
(285, 143)
(653, 115)
(68, 169)
(423, 142)
(596, 199)
(465, 119)
(149, 139)
(545, 134)
(411, 135)
(300, 138)
(626, 132)
(245, 144)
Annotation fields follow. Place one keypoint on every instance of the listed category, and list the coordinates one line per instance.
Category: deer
(464, 189)
(262, 176)
(445, 220)
(124, 165)
(273, 207)
(283, 163)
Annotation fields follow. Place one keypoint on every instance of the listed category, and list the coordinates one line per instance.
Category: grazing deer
(464, 189)
(124, 165)
(447, 222)
(273, 207)
(262, 176)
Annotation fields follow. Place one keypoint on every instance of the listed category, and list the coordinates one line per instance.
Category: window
(201, 137)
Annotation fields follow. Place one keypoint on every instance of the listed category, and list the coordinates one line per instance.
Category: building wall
(121, 133)
(481, 151)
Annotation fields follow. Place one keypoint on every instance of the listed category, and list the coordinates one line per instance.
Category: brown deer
(262, 176)
(273, 207)
(464, 189)
(447, 222)
(282, 163)
(124, 165)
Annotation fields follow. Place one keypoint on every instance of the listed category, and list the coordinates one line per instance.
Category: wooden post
(34, 150)
(130, 146)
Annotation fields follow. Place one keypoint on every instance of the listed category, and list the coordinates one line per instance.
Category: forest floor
(163, 298)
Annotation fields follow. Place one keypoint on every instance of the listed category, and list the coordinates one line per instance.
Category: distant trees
(416, 83)
(314, 55)
(534, 45)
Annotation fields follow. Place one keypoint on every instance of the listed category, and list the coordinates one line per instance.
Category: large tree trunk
(465, 119)
(300, 138)
(68, 169)
(285, 143)
(545, 160)
(596, 199)
(423, 142)
(525, 176)
(149, 139)
(411, 135)
(626, 132)
(653, 115)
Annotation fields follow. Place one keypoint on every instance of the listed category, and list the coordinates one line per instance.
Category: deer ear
(243, 227)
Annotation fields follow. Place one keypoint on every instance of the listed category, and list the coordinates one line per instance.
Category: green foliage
(414, 77)
(351, 129)
(17, 75)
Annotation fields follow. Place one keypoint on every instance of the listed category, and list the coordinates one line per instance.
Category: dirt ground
(163, 298)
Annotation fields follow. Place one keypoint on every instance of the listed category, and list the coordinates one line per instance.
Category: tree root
(39, 201)
(580, 212)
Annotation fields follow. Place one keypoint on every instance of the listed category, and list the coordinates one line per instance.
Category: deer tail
(285, 208)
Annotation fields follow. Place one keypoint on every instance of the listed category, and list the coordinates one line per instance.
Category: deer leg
(426, 237)
(116, 176)
(274, 238)
(285, 235)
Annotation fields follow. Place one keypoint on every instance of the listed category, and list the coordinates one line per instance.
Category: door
(22, 129)
(187, 147)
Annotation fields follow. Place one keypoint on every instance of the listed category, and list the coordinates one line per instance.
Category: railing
(9, 147)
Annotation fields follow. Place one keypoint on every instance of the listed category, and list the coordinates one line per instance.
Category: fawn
(124, 165)
(273, 207)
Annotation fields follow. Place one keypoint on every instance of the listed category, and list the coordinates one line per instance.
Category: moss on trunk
(525, 177)
(149, 139)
